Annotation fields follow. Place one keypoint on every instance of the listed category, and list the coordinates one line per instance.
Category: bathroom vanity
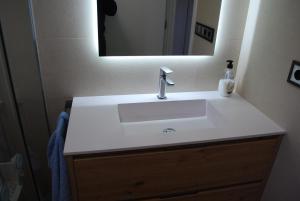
(193, 146)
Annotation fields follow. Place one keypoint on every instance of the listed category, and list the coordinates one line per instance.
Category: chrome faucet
(163, 82)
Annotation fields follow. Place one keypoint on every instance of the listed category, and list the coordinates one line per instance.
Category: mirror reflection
(157, 27)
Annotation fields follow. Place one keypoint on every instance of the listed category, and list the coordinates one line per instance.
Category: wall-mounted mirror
(157, 27)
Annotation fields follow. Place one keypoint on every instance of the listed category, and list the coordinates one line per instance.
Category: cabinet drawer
(244, 193)
(150, 174)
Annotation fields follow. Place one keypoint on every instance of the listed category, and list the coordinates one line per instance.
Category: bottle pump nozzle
(230, 64)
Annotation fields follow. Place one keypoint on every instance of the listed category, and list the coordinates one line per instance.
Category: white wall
(70, 65)
(276, 42)
(137, 28)
(250, 29)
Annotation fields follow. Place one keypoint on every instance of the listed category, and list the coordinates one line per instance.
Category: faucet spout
(163, 82)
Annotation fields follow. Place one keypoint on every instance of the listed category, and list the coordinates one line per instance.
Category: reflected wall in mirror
(157, 27)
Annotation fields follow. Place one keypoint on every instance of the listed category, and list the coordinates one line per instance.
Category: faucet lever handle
(170, 82)
(165, 70)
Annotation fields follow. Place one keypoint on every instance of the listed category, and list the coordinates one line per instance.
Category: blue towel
(57, 163)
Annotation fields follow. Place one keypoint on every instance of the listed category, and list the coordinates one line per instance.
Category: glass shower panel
(16, 178)
(4, 150)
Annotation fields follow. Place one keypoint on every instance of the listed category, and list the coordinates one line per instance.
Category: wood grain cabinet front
(240, 193)
(154, 174)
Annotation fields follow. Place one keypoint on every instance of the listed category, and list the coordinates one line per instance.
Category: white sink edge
(89, 115)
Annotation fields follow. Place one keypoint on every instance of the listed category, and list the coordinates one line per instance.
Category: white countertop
(95, 127)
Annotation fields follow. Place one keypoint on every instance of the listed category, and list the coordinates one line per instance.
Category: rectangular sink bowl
(163, 110)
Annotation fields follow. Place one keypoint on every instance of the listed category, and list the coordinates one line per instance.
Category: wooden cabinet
(213, 171)
(240, 193)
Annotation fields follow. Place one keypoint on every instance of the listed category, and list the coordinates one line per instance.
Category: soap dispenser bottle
(226, 85)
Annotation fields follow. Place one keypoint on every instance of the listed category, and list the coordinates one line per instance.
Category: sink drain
(169, 131)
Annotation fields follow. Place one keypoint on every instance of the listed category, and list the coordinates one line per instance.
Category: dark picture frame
(294, 72)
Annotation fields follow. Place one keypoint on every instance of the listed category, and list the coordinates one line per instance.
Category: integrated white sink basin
(166, 117)
(164, 110)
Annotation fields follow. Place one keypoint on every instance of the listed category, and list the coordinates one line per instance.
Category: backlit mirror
(157, 27)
